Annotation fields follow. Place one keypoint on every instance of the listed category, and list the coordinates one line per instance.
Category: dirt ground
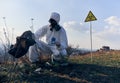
(73, 73)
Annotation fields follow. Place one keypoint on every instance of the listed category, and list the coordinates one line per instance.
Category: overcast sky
(106, 30)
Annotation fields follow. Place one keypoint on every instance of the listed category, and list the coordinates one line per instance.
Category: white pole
(12, 35)
(32, 28)
(91, 38)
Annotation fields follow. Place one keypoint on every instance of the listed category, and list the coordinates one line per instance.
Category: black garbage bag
(20, 48)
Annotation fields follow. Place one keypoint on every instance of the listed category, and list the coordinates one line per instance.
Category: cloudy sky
(105, 31)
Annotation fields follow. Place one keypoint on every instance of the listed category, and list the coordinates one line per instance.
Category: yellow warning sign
(90, 17)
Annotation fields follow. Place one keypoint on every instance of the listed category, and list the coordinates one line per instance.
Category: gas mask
(54, 25)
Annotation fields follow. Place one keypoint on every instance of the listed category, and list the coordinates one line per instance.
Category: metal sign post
(91, 38)
(90, 17)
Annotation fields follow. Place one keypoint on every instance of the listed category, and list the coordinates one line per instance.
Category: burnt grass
(104, 69)
(73, 73)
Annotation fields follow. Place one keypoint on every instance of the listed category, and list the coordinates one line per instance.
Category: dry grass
(104, 68)
(105, 58)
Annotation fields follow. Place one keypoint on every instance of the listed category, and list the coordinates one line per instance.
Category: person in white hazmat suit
(56, 40)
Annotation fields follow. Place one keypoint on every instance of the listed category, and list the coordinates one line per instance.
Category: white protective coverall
(52, 49)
